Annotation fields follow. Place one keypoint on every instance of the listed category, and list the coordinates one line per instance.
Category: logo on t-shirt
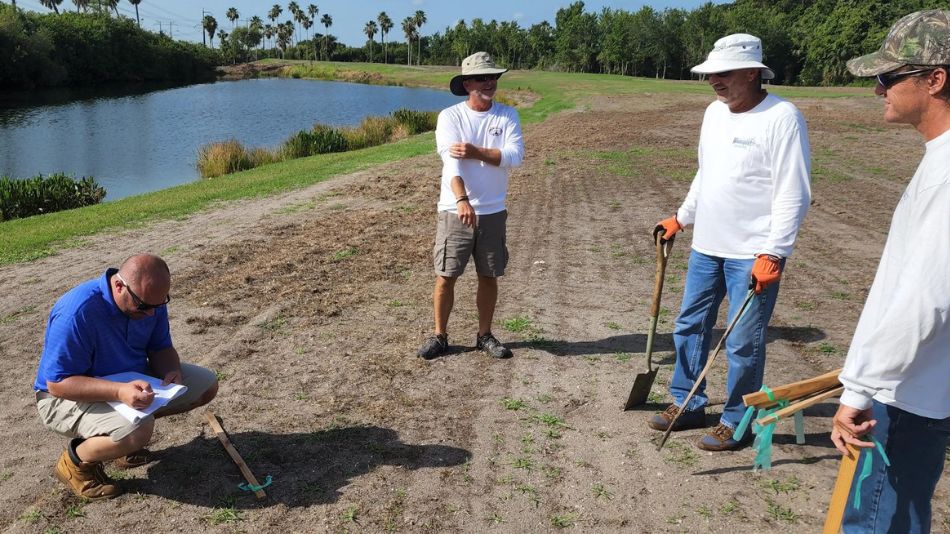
(495, 130)
(743, 142)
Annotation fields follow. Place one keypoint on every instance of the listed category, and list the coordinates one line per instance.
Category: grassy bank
(34, 237)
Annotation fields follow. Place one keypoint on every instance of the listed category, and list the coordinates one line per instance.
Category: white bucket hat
(736, 51)
(473, 65)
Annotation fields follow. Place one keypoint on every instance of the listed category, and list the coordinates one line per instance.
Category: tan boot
(87, 480)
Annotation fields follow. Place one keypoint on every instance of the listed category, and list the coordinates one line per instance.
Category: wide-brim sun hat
(474, 65)
(732, 52)
(921, 38)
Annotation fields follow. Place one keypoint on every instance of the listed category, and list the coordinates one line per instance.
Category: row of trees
(81, 49)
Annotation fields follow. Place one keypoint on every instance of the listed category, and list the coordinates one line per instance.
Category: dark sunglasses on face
(140, 304)
(888, 79)
(484, 77)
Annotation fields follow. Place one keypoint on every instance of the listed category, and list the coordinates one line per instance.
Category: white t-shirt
(486, 185)
(900, 353)
(752, 188)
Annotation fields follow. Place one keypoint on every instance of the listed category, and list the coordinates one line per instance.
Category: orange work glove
(667, 228)
(766, 270)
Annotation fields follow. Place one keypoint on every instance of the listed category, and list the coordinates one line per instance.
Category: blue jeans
(897, 498)
(708, 280)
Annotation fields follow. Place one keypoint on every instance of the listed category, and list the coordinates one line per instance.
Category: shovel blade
(642, 385)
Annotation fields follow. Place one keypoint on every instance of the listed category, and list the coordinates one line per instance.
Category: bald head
(148, 275)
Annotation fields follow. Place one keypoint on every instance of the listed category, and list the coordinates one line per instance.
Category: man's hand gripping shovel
(643, 382)
(702, 375)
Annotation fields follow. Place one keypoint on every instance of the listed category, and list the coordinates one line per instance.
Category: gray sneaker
(434, 346)
(491, 346)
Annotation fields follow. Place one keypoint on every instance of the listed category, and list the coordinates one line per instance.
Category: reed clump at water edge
(216, 159)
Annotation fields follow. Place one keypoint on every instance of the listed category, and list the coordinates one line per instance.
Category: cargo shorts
(455, 243)
(74, 419)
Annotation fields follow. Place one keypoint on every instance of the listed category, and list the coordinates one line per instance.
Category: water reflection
(135, 139)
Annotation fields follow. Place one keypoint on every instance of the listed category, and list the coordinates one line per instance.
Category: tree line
(84, 49)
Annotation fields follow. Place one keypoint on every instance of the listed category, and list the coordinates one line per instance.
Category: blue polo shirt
(88, 335)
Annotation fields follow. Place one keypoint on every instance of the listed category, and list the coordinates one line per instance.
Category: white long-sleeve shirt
(900, 353)
(486, 185)
(752, 188)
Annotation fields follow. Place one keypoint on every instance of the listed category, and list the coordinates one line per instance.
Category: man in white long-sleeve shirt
(897, 373)
(478, 141)
(748, 198)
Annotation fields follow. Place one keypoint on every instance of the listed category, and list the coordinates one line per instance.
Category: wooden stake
(839, 496)
(799, 406)
(793, 391)
(233, 453)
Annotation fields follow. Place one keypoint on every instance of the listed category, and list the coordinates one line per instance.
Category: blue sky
(349, 16)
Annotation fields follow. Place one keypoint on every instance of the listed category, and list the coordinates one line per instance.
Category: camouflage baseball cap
(921, 38)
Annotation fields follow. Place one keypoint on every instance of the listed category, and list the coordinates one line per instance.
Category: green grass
(780, 513)
(16, 315)
(564, 520)
(31, 516)
(601, 492)
(513, 404)
(781, 486)
(350, 515)
(226, 514)
(517, 324)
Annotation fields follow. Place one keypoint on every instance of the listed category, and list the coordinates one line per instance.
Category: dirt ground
(310, 306)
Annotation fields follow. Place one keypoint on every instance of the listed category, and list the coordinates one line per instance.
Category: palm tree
(233, 15)
(50, 4)
(385, 24)
(112, 4)
(210, 26)
(370, 31)
(81, 4)
(269, 32)
(136, 4)
(409, 28)
(275, 12)
(327, 21)
(256, 22)
(307, 23)
(312, 10)
(419, 18)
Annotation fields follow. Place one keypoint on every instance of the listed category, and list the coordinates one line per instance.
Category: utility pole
(170, 36)
(160, 32)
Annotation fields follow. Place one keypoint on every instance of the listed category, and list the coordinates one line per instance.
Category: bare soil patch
(310, 306)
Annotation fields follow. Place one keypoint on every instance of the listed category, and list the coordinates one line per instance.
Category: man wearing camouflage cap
(897, 373)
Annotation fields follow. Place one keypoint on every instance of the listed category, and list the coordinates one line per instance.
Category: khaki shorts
(455, 243)
(86, 419)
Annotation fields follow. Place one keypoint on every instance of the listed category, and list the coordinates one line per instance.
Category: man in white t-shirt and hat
(478, 140)
(746, 203)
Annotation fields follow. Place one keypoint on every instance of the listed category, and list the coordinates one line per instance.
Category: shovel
(643, 382)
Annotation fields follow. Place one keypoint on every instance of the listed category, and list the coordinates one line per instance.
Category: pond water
(137, 142)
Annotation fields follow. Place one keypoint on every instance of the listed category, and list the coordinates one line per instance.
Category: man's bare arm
(81, 388)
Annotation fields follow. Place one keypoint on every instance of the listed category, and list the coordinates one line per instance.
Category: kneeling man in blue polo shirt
(112, 324)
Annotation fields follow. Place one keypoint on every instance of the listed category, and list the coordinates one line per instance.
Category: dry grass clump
(216, 159)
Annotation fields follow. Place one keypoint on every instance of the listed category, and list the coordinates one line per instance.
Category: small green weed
(300, 395)
(613, 326)
(730, 507)
(840, 295)
(224, 515)
(221, 376)
(622, 357)
(780, 513)
(31, 517)
(603, 435)
(827, 348)
(75, 510)
(807, 306)
(5, 475)
(654, 397)
(544, 398)
(551, 473)
(681, 454)
(495, 518)
(345, 253)
(513, 404)
(395, 303)
(601, 492)
(550, 420)
(564, 520)
(16, 315)
(350, 514)
(517, 324)
(705, 512)
(781, 486)
(523, 463)
(274, 324)
(118, 474)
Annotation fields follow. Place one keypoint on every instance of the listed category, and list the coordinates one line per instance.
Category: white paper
(163, 395)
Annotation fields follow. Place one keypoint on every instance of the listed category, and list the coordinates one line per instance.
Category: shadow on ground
(306, 468)
(636, 343)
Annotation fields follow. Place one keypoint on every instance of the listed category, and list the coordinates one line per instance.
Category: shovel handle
(663, 248)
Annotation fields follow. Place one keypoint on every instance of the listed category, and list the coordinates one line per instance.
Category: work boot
(686, 421)
(86, 479)
(434, 346)
(720, 439)
(133, 460)
(490, 345)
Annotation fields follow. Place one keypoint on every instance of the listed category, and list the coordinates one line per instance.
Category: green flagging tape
(867, 467)
(763, 435)
(747, 417)
(252, 487)
(800, 427)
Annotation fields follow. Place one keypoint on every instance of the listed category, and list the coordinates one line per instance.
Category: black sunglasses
(888, 79)
(140, 304)
(483, 77)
